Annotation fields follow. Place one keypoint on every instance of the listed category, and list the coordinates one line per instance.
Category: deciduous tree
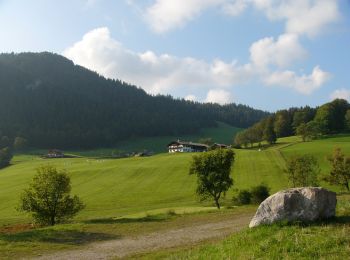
(213, 173)
(303, 170)
(48, 197)
(340, 169)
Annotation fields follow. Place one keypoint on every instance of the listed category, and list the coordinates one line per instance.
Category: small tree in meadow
(48, 197)
(213, 173)
(303, 170)
(340, 169)
(5, 157)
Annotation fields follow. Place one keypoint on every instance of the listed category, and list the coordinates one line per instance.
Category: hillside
(132, 196)
(67, 106)
(126, 186)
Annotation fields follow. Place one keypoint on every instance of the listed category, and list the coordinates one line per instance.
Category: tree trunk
(53, 222)
(217, 203)
(347, 186)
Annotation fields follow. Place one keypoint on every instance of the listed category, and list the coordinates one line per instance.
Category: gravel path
(159, 240)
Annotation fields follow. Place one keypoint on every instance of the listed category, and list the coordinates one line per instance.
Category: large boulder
(298, 204)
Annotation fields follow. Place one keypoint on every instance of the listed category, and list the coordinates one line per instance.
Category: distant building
(186, 147)
(220, 146)
(55, 154)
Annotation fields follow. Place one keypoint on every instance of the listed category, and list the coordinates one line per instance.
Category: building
(186, 147)
(55, 154)
(220, 146)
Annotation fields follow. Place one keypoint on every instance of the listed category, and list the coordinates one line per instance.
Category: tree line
(307, 122)
(53, 103)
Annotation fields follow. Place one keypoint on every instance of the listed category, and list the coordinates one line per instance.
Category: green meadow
(142, 187)
(118, 187)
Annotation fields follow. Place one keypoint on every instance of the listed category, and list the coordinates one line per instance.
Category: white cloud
(342, 93)
(155, 73)
(282, 52)
(305, 84)
(219, 96)
(191, 97)
(167, 74)
(235, 7)
(301, 16)
(164, 15)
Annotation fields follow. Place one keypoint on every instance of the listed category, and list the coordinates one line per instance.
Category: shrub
(5, 157)
(259, 193)
(243, 198)
(171, 212)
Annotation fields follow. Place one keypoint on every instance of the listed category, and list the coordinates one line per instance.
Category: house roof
(188, 144)
(221, 145)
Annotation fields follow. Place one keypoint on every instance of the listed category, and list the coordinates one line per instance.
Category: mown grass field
(139, 187)
(118, 187)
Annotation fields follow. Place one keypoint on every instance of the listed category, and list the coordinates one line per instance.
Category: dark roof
(220, 145)
(188, 144)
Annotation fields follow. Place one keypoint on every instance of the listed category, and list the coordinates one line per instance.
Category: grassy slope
(120, 187)
(125, 186)
(108, 187)
(321, 149)
(140, 186)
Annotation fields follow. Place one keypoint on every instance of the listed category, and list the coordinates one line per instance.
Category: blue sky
(269, 54)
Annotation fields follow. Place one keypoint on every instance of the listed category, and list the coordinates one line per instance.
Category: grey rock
(297, 204)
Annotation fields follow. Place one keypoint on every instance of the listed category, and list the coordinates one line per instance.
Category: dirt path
(155, 241)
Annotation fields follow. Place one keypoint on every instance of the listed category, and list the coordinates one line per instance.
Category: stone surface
(298, 204)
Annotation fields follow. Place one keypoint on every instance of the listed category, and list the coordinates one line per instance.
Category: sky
(268, 54)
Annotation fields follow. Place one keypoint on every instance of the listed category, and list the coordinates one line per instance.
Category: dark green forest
(309, 123)
(50, 102)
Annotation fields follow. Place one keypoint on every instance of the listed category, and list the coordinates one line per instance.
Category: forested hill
(51, 102)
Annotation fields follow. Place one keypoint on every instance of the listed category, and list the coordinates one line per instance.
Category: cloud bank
(307, 17)
(165, 73)
(98, 51)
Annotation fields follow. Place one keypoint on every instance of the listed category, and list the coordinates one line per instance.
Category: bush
(260, 193)
(243, 198)
(5, 157)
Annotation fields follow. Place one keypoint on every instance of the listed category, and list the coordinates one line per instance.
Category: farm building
(220, 146)
(55, 154)
(186, 147)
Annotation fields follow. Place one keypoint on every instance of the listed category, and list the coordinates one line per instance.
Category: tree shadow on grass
(153, 218)
(69, 237)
